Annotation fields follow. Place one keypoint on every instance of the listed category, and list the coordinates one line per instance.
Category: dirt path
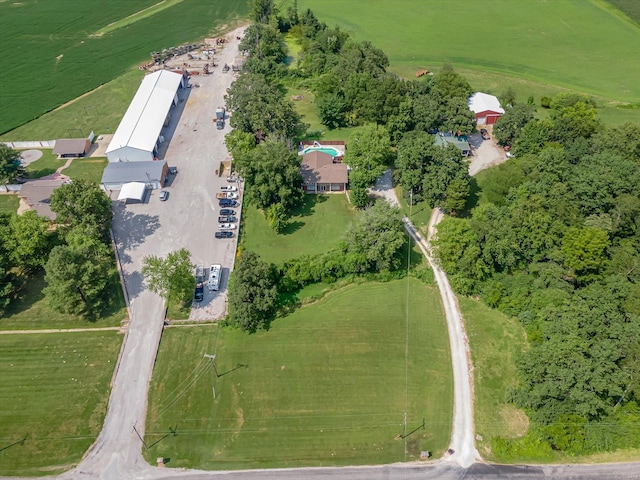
(486, 153)
(61, 330)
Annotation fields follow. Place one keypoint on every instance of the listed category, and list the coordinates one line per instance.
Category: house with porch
(321, 173)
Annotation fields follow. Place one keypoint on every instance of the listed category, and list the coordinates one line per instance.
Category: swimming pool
(334, 152)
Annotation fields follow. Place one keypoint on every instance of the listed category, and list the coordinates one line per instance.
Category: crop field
(580, 45)
(60, 49)
(325, 385)
(54, 391)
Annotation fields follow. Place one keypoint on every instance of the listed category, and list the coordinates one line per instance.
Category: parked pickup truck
(227, 219)
(229, 195)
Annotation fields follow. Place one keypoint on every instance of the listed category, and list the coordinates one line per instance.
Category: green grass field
(583, 46)
(324, 386)
(54, 391)
(314, 228)
(45, 165)
(495, 341)
(31, 310)
(53, 55)
(87, 169)
(9, 203)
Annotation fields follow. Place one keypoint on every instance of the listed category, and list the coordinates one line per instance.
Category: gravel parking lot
(189, 218)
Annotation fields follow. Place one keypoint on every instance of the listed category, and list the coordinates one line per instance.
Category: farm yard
(341, 362)
(580, 46)
(54, 391)
(55, 56)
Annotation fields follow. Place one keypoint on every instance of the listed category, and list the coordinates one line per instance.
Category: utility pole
(212, 359)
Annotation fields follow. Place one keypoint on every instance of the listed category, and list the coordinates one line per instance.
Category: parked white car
(229, 188)
(232, 195)
(226, 226)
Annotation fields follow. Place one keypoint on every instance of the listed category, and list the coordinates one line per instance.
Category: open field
(47, 164)
(582, 46)
(325, 386)
(332, 214)
(53, 56)
(9, 203)
(139, 15)
(495, 341)
(54, 391)
(87, 169)
(31, 310)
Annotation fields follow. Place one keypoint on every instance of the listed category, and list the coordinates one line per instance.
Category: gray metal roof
(123, 172)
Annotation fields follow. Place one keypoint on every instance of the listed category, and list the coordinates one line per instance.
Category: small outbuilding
(72, 147)
(321, 174)
(485, 107)
(460, 142)
(133, 192)
(153, 174)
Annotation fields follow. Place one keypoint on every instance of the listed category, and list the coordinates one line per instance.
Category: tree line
(556, 243)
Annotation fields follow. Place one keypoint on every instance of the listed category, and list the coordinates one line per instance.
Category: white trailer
(215, 271)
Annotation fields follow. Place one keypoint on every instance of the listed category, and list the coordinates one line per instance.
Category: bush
(545, 102)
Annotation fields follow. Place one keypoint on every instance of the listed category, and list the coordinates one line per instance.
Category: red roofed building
(486, 108)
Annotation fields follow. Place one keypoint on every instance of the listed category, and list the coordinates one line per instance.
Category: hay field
(580, 45)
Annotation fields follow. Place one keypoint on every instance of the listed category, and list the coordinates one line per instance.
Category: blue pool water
(329, 150)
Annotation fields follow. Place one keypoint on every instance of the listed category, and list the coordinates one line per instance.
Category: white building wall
(129, 154)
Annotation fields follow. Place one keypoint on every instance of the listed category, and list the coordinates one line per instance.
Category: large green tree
(253, 293)
(170, 277)
(77, 276)
(272, 173)
(30, 241)
(375, 238)
(10, 164)
(259, 108)
(368, 154)
(82, 203)
(508, 127)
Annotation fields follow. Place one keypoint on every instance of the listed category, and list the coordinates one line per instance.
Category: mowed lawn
(315, 227)
(583, 45)
(496, 341)
(87, 169)
(9, 203)
(47, 164)
(54, 391)
(324, 386)
(31, 309)
(55, 55)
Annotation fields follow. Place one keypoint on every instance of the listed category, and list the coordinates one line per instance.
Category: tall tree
(368, 154)
(272, 172)
(77, 278)
(171, 277)
(508, 127)
(83, 203)
(376, 237)
(10, 164)
(30, 241)
(263, 11)
(253, 293)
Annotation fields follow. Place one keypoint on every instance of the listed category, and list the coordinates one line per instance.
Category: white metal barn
(485, 107)
(138, 135)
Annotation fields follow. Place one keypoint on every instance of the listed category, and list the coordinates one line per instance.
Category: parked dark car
(227, 219)
(224, 234)
(227, 211)
(199, 294)
(485, 134)
(227, 202)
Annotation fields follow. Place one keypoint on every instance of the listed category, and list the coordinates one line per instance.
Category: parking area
(189, 217)
(486, 153)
